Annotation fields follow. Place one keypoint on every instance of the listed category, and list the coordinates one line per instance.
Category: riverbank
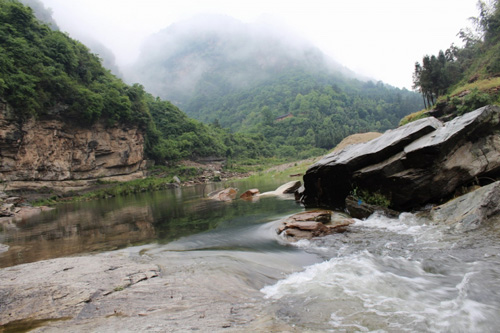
(388, 274)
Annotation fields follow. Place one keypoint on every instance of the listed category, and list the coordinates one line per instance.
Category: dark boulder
(421, 162)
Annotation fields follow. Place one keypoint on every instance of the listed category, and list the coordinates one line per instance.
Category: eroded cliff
(65, 156)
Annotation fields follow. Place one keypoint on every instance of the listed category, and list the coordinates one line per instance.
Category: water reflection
(150, 217)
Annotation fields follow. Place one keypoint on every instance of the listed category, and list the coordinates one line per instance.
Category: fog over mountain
(217, 54)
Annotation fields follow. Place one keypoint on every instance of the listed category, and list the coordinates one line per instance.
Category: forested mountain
(277, 96)
(44, 73)
(246, 76)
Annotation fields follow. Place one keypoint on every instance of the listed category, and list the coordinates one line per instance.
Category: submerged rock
(227, 194)
(288, 188)
(421, 162)
(309, 224)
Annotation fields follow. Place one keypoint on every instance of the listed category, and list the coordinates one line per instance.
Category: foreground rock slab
(472, 210)
(423, 162)
(137, 291)
(309, 224)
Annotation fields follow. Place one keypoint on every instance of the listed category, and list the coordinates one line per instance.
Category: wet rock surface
(16, 209)
(227, 194)
(132, 292)
(422, 162)
(472, 210)
(250, 194)
(288, 188)
(309, 224)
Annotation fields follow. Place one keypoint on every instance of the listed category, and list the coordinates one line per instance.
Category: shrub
(472, 101)
(372, 198)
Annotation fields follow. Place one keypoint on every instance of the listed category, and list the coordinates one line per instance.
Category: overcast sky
(378, 38)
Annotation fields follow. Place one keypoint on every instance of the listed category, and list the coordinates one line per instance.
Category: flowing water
(383, 275)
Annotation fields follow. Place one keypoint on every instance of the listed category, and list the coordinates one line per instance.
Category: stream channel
(384, 275)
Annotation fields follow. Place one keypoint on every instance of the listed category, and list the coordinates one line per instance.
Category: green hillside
(244, 77)
(461, 79)
(45, 73)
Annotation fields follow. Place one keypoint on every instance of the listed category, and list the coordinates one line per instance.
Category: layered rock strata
(56, 154)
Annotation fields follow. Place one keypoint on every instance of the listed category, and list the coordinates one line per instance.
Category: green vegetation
(371, 198)
(42, 71)
(466, 77)
(45, 73)
(173, 136)
(481, 85)
(472, 101)
(322, 109)
(244, 80)
(414, 116)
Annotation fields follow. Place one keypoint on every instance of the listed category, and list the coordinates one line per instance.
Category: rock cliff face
(425, 161)
(63, 156)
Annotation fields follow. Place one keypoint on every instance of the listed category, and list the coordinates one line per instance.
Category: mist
(222, 54)
(381, 39)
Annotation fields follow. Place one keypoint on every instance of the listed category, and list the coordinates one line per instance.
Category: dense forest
(254, 79)
(45, 73)
(304, 114)
(465, 77)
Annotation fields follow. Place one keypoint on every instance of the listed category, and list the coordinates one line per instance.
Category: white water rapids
(395, 275)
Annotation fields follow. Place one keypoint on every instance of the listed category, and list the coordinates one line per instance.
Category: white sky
(381, 39)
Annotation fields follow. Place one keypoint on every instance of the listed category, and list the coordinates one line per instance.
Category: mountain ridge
(243, 77)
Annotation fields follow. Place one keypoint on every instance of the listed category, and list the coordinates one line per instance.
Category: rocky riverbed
(134, 290)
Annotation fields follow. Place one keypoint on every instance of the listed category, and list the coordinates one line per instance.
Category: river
(383, 274)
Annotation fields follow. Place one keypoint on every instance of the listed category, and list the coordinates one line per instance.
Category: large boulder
(421, 162)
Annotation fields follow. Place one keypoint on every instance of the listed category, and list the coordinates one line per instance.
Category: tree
(267, 115)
